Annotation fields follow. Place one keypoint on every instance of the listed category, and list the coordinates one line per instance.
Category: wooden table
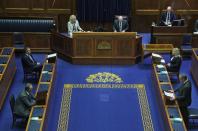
(43, 97)
(195, 41)
(157, 48)
(7, 72)
(168, 35)
(194, 65)
(98, 47)
(168, 108)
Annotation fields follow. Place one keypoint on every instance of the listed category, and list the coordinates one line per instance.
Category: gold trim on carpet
(66, 100)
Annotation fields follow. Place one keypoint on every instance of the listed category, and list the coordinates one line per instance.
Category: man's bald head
(120, 18)
(169, 9)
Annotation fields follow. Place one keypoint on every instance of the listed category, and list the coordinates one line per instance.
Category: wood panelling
(143, 12)
(17, 3)
(38, 4)
(150, 4)
(59, 4)
(146, 12)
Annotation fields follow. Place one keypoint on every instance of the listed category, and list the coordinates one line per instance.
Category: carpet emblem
(104, 77)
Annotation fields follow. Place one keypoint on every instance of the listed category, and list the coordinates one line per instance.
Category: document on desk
(45, 72)
(176, 119)
(160, 66)
(196, 33)
(163, 72)
(52, 55)
(169, 94)
(156, 55)
(35, 118)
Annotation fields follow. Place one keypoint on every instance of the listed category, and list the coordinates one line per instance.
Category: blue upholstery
(48, 67)
(186, 47)
(26, 25)
(173, 113)
(196, 52)
(38, 112)
(43, 87)
(46, 77)
(34, 125)
(1, 69)
(6, 51)
(163, 77)
(165, 87)
(3, 60)
(193, 113)
(160, 69)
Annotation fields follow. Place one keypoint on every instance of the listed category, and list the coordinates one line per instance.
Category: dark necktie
(120, 26)
(74, 28)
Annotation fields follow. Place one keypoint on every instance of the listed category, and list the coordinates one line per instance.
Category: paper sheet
(35, 118)
(169, 94)
(52, 55)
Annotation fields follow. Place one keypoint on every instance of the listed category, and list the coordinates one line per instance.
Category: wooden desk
(7, 72)
(98, 47)
(43, 96)
(194, 65)
(168, 35)
(195, 41)
(168, 109)
(157, 48)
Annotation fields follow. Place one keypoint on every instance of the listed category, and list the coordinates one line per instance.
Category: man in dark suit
(183, 96)
(24, 102)
(30, 63)
(120, 25)
(167, 17)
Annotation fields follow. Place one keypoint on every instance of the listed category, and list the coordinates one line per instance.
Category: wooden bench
(169, 109)
(43, 96)
(157, 48)
(7, 72)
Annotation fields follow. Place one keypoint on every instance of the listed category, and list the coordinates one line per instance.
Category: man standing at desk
(73, 25)
(167, 17)
(183, 96)
(120, 25)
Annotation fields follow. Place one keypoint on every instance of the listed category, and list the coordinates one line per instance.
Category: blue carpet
(111, 108)
(68, 73)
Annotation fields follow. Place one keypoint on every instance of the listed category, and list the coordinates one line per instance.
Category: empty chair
(18, 41)
(193, 115)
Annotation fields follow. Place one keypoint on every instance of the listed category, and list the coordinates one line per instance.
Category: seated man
(173, 65)
(183, 96)
(167, 17)
(24, 102)
(30, 63)
(73, 25)
(120, 25)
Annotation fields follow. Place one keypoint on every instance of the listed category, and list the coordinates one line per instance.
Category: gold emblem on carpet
(104, 77)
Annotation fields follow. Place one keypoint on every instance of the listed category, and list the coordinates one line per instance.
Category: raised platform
(98, 47)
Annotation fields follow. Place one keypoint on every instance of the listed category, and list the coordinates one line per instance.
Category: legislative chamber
(96, 65)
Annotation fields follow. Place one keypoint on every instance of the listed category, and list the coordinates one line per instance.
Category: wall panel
(16, 3)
